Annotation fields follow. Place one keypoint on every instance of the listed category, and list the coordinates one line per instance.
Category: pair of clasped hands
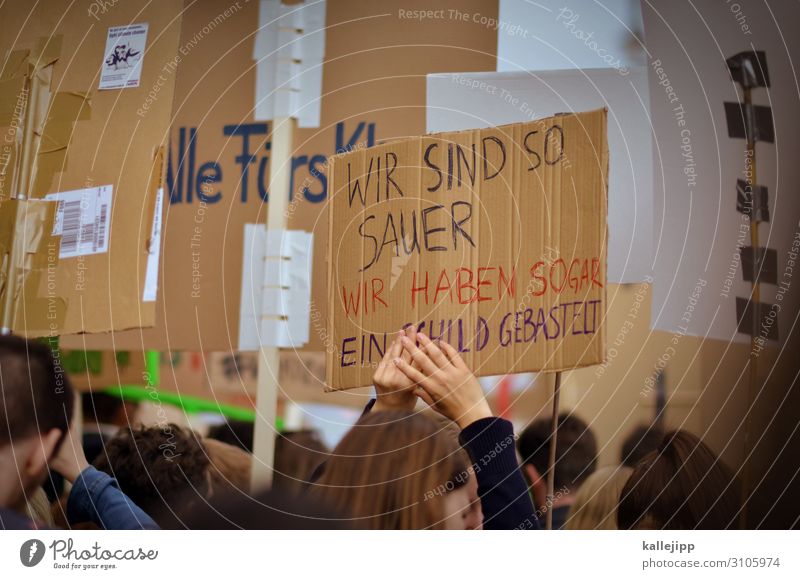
(414, 366)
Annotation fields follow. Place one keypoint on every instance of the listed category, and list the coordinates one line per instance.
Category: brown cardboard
(492, 239)
(98, 370)
(222, 377)
(29, 257)
(374, 77)
(82, 137)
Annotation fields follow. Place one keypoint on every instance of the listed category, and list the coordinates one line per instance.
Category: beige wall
(615, 397)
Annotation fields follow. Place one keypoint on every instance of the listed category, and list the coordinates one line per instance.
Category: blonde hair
(37, 507)
(230, 466)
(595, 505)
(391, 470)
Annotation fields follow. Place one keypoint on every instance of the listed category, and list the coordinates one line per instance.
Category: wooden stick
(551, 460)
(755, 310)
(269, 359)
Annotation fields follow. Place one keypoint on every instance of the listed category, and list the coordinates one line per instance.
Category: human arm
(446, 384)
(95, 497)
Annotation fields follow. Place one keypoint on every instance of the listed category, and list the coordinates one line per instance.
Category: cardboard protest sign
(100, 154)
(219, 159)
(493, 240)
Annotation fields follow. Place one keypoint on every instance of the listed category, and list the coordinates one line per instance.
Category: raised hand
(395, 391)
(70, 459)
(443, 380)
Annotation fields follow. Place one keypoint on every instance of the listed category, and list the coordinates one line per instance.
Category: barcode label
(100, 238)
(83, 220)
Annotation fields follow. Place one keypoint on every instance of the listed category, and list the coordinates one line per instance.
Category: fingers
(394, 350)
(411, 333)
(433, 351)
(420, 358)
(452, 354)
(411, 373)
(427, 398)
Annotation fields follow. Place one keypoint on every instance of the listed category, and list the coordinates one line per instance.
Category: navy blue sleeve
(505, 500)
(96, 498)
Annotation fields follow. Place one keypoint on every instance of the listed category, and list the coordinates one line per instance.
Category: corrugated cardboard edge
(331, 350)
(31, 250)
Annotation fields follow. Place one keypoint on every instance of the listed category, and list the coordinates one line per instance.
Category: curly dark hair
(158, 467)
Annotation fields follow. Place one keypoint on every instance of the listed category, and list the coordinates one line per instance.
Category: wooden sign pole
(551, 460)
(269, 357)
(755, 300)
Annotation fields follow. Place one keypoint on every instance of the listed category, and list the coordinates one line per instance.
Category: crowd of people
(427, 453)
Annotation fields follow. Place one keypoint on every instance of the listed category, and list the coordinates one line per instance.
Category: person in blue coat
(36, 408)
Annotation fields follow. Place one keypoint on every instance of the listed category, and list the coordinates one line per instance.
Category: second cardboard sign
(493, 240)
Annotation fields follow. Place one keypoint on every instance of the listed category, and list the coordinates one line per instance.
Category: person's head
(101, 408)
(680, 485)
(230, 466)
(398, 470)
(595, 504)
(36, 408)
(297, 454)
(156, 465)
(266, 510)
(236, 432)
(576, 455)
(639, 443)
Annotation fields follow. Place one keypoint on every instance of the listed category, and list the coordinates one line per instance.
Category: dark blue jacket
(505, 500)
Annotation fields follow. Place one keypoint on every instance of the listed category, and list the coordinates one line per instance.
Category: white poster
(698, 234)
(568, 34)
(460, 101)
(83, 220)
(122, 61)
